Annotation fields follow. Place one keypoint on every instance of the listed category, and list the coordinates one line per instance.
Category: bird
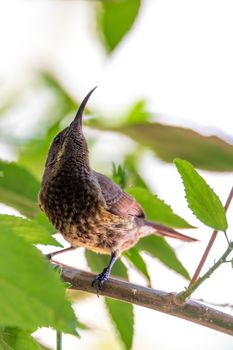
(87, 207)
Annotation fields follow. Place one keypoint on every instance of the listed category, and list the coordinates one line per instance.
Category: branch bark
(153, 299)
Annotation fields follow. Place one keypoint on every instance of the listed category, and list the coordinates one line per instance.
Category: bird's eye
(57, 139)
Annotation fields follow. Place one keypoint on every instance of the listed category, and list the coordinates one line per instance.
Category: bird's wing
(118, 202)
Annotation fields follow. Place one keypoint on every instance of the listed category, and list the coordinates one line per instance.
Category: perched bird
(86, 207)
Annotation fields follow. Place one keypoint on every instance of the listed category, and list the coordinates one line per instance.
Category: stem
(203, 259)
(184, 295)
(215, 304)
(59, 340)
(209, 246)
(228, 241)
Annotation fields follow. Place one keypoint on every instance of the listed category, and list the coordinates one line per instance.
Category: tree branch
(152, 299)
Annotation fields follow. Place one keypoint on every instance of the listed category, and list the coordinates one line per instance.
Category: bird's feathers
(118, 202)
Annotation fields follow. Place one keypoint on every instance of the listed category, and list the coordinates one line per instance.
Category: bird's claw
(100, 280)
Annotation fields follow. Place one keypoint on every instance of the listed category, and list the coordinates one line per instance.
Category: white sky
(179, 57)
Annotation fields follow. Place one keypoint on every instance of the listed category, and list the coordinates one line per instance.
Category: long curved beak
(78, 118)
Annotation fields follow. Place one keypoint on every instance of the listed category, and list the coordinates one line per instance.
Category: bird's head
(70, 143)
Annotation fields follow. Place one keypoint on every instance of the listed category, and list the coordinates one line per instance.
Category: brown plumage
(86, 207)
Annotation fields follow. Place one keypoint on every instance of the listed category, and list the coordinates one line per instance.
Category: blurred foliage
(157, 247)
(115, 19)
(31, 230)
(76, 295)
(156, 209)
(43, 220)
(18, 188)
(134, 257)
(168, 142)
(202, 200)
(123, 317)
(126, 175)
(119, 175)
(31, 286)
(137, 114)
(12, 338)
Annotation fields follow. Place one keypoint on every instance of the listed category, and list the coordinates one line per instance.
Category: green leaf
(98, 262)
(202, 200)
(135, 258)
(115, 19)
(137, 114)
(156, 209)
(126, 175)
(12, 338)
(31, 294)
(168, 142)
(123, 318)
(43, 220)
(18, 188)
(119, 175)
(159, 248)
(131, 164)
(28, 229)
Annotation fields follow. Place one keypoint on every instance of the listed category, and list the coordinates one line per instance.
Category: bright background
(179, 57)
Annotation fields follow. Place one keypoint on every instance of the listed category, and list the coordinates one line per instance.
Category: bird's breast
(71, 205)
(77, 210)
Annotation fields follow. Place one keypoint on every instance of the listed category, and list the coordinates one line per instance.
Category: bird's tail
(150, 227)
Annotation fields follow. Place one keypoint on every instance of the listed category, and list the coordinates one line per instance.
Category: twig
(228, 241)
(215, 304)
(209, 246)
(59, 341)
(184, 295)
(153, 299)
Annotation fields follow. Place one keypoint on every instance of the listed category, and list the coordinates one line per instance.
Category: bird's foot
(101, 279)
